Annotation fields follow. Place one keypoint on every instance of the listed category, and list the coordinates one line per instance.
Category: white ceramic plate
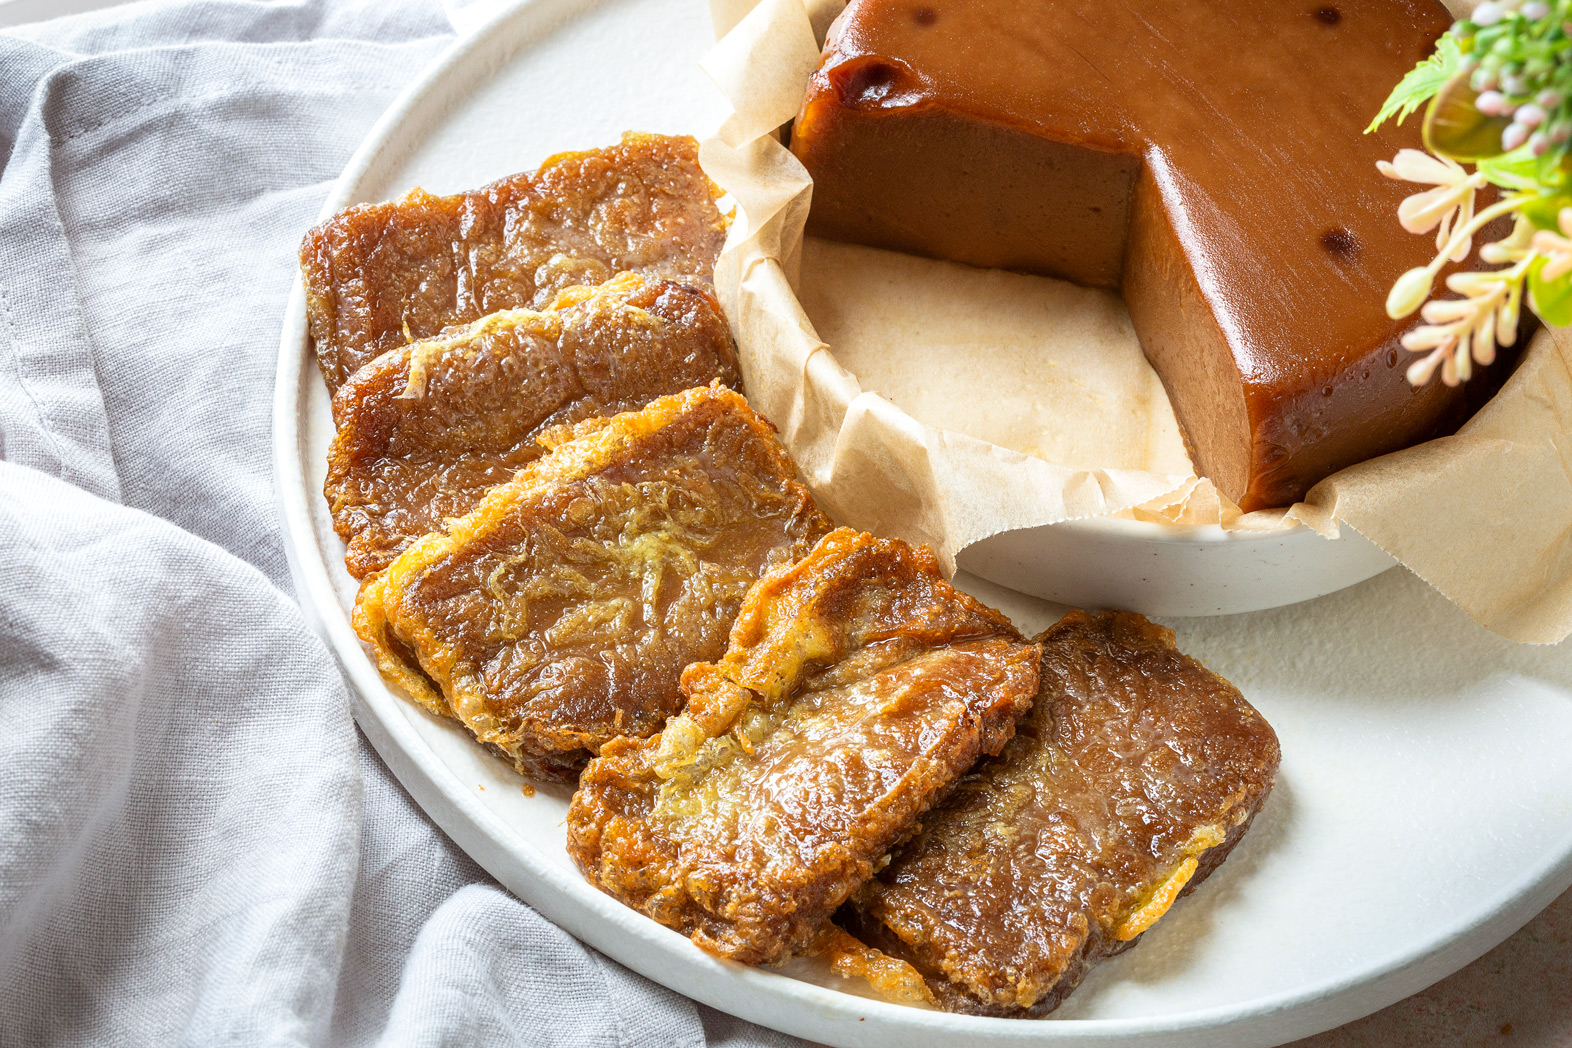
(1424, 809)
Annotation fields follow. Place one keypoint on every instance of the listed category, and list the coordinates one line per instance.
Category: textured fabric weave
(196, 848)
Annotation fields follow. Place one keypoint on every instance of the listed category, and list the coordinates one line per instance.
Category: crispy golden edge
(1139, 917)
(370, 621)
(578, 451)
(894, 979)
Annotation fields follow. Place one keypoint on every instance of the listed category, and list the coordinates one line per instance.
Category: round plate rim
(810, 1010)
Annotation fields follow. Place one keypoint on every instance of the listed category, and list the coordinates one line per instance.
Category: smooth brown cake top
(1136, 768)
(857, 687)
(427, 429)
(380, 275)
(1249, 114)
(563, 610)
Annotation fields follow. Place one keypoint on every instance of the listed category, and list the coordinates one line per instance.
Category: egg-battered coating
(562, 611)
(857, 688)
(378, 276)
(1134, 775)
(424, 431)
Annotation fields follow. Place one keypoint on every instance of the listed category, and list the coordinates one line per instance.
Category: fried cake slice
(562, 611)
(425, 430)
(857, 688)
(1132, 778)
(378, 276)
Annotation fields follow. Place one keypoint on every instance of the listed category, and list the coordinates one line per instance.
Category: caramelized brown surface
(378, 276)
(1134, 774)
(858, 686)
(426, 430)
(562, 611)
(1206, 155)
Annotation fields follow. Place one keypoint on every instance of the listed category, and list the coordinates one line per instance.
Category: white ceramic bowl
(1163, 569)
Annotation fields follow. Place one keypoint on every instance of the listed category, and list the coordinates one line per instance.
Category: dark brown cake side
(562, 611)
(378, 276)
(1134, 775)
(427, 429)
(857, 688)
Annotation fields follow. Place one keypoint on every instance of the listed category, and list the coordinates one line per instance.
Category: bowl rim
(1155, 531)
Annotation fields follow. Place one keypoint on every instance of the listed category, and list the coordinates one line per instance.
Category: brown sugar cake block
(857, 688)
(1206, 156)
(424, 431)
(1135, 773)
(380, 275)
(561, 612)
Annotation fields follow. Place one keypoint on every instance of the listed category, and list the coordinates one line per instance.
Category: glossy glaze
(1206, 156)
(378, 276)
(1134, 774)
(424, 431)
(857, 688)
(562, 611)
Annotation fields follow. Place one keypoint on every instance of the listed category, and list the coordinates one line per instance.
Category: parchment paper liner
(1484, 516)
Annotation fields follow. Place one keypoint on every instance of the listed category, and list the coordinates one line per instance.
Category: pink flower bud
(1534, 10)
(1530, 116)
(1491, 103)
(1514, 136)
(1487, 14)
(1539, 143)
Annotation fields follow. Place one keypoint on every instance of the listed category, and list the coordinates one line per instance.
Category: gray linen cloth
(196, 847)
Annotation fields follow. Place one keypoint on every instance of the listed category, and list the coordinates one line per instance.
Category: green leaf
(1544, 211)
(1421, 83)
(1551, 299)
(1518, 169)
(1552, 169)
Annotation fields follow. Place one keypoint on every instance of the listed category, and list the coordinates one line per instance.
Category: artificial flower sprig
(1499, 89)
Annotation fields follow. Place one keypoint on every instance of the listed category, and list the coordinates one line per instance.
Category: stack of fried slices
(576, 538)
